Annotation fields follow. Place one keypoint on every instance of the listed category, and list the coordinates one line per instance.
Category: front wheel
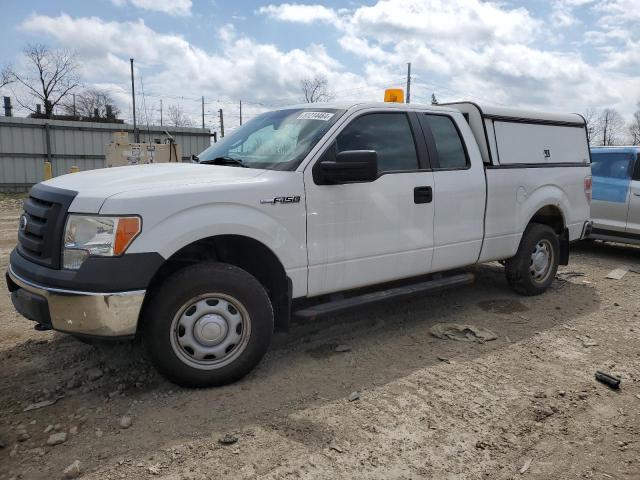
(533, 268)
(208, 325)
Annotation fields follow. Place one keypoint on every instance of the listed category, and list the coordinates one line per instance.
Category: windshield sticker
(324, 116)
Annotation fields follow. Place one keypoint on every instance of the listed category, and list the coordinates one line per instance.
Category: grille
(41, 228)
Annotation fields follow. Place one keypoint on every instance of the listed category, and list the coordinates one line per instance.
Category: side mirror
(350, 166)
(195, 159)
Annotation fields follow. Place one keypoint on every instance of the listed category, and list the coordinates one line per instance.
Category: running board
(346, 304)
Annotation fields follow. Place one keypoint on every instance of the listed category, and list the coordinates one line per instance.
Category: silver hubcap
(210, 331)
(541, 261)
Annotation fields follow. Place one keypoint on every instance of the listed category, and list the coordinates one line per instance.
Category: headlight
(86, 236)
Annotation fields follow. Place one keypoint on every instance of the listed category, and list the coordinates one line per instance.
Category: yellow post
(74, 169)
(48, 173)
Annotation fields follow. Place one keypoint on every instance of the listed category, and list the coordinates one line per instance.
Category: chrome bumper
(88, 313)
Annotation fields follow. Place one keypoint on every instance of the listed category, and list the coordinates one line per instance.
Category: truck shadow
(597, 250)
(97, 384)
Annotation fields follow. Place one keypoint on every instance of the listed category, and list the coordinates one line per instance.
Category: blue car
(615, 205)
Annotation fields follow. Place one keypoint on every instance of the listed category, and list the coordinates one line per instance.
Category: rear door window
(448, 144)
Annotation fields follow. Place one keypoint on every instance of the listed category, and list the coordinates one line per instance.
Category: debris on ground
(526, 466)
(57, 438)
(617, 273)
(154, 469)
(125, 421)
(22, 434)
(463, 333)
(354, 396)
(42, 404)
(443, 359)
(228, 439)
(343, 348)
(336, 448)
(73, 471)
(587, 341)
(607, 379)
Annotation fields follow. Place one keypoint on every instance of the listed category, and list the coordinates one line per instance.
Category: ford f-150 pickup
(204, 260)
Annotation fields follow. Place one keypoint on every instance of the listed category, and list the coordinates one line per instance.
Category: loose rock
(94, 374)
(354, 396)
(73, 471)
(57, 438)
(343, 348)
(125, 421)
(22, 433)
(228, 439)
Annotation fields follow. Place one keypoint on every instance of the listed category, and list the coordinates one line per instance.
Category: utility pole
(74, 105)
(409, 82)
(221, 124)
(203, 111)
(240, 112)
(136, 134)
(160, 112)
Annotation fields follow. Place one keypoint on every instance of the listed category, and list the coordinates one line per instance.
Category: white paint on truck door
(366, 233)
(459, 193)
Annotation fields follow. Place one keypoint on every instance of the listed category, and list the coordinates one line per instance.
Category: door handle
(422, 194)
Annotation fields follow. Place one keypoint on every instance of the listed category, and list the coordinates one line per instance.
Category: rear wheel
(208, 325)
(533, 268)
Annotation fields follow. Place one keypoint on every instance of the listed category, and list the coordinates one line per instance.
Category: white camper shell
(520, 137)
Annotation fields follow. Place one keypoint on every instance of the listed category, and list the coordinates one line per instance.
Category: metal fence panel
(23, 146)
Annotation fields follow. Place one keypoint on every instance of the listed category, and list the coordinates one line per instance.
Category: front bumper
(85, 313)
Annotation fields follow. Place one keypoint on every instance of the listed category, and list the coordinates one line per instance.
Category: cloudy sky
(561, 55)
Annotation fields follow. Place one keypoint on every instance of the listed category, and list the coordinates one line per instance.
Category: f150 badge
(281, 200)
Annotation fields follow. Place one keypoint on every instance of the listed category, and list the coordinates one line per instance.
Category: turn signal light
(128, 228)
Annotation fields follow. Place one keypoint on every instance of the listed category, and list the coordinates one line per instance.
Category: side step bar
(346, 304)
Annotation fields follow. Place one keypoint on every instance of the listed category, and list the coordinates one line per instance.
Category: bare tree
(5, 77)
(591, 120)
(316, 89)
(176, 117)
(610, 126)
(91, 103)
(50, 76)
(634, 127)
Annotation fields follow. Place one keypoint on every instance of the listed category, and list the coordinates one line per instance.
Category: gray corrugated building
(26, 143)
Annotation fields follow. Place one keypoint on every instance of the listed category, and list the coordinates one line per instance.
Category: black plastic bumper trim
(132, 271)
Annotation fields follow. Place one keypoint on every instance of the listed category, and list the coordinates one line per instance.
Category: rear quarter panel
(516, 194)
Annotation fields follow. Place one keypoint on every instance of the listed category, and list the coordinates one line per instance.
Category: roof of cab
(362, 105)
(487, 110)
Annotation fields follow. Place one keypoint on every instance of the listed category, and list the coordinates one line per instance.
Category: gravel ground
(399, 403)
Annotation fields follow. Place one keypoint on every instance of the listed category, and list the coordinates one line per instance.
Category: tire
(532, 270)
(207, 325)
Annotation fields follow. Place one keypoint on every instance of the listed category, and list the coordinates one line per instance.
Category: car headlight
(86, 235)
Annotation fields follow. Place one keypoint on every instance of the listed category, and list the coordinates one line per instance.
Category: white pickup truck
(203, 261)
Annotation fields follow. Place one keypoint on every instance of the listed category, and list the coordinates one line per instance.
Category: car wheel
(533, 268)
(208, 324)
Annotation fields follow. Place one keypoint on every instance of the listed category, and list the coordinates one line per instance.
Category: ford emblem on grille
(23, 222)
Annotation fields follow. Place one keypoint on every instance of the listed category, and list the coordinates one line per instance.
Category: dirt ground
(525, 405)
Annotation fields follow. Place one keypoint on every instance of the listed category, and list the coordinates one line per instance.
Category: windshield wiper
(226, 160)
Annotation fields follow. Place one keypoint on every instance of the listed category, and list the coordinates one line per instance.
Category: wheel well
(244, 252)
(552, 216)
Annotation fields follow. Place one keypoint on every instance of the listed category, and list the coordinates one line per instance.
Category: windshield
(277, 140)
